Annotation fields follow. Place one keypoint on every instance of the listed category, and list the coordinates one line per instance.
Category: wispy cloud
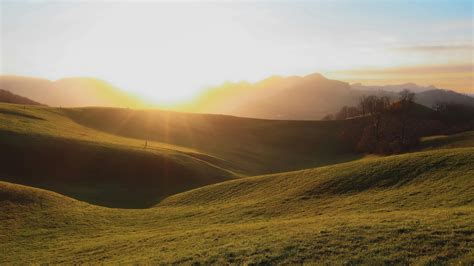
(436, 48)
(458, 77)
(412, 70)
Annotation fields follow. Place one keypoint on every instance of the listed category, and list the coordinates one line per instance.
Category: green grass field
(97, 151)
(341, 209)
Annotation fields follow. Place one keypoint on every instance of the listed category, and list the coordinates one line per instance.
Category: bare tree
(405, 102)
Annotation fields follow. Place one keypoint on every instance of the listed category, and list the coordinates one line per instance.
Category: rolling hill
(100, 148)
(412, 208)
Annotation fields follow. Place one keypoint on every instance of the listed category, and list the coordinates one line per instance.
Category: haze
(170, 52)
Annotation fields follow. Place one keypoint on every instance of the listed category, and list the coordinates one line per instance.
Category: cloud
(459, 77)
(436, 48)
(412, 70)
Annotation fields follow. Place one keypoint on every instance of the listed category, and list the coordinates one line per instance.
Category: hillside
(100, 148)
(461, 140)
(8, 97)
(95, 167)
(70, 92)
(413, 208)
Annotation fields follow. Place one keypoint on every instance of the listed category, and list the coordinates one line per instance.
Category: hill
(101, 148)
(95, 167)
(465, 139)
(431, 97)
(8, 97)
(412, 208)
(70, 92)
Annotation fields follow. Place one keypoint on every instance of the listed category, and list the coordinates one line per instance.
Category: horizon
(379, 43)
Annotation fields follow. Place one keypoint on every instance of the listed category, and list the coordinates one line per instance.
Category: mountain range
(70, 92)
(306, 98)
(309, 97)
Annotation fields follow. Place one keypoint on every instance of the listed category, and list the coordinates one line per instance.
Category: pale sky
(169, 52)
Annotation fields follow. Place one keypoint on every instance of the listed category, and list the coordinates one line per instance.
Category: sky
(170, 52)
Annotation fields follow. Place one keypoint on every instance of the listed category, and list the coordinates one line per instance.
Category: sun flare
(170, 52)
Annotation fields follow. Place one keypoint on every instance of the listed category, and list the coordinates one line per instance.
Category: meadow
(79, 186)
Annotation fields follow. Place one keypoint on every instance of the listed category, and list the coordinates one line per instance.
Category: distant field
(414, 208)
(98, 155)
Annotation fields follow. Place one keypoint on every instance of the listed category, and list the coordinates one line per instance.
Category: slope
(465, 139)
(412, 208)
(248, 146)
(40, 146)
(98, 154)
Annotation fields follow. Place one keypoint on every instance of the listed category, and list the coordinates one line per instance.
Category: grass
(99, 149)
(413, 208)
(248, 146)
(465, 139)
(190, 196)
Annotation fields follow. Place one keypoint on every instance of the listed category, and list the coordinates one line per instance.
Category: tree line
(396, 125)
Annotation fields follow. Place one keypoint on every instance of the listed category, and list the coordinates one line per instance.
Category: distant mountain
(431, 97)
(427, 96)
(305, 98)
(301, 98)
(8, 97)
(394, 88)
(70, 92)
(286, 98)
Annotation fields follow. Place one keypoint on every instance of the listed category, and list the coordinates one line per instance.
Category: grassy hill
(412, 208)
(42, 147)
(98, 155)
(249, 146)
(461, 140)
(205, 190)
(8, 97)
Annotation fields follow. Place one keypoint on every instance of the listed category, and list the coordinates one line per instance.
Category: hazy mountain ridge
(8, 97)
(70, 92)
(294, 97)
(394, 88)
(309, 97)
